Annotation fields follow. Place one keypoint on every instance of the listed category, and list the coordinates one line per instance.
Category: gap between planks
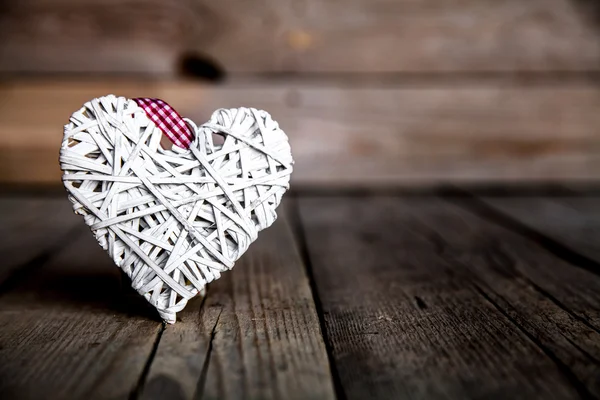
(300, 235)
(227, 291)
(287, 344)
(490, 209)
(496, 212)
(67, 328)
(463, 261)
(255, 334)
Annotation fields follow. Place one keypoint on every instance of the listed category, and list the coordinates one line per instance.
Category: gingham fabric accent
(167, 120)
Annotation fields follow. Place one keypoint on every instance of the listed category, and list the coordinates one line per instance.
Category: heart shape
(173, 219)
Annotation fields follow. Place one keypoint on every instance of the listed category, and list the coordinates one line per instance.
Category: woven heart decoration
(173, 219)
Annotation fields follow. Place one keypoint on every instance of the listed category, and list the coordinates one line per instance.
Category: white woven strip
(173, 219)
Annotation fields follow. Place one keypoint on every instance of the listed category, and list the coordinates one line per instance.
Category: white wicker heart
(173, 219)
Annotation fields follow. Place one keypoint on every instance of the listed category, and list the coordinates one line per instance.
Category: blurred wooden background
(353, 293)
(371, 92)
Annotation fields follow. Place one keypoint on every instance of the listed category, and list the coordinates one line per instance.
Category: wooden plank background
(418, 287)
(150, 36)
(256, 335)
(371, 93)
(73, 329)
(395, 134)
(67, 331)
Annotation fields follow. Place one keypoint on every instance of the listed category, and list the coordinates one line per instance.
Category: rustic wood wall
(370, 91)
(298, 35)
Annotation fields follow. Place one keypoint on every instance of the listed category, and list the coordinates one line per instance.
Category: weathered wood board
(419, 296)
(424, 299)
(69, 333)
(256, 335)
(352, 135)
(70, 327)
(355, 36)
(573, 221)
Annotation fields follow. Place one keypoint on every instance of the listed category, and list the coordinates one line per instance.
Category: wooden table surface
(348, 295)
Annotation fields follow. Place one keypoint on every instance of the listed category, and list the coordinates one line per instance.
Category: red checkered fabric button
(168, 120)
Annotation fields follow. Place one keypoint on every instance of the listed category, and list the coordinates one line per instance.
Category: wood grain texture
(347, 136)
(150, 36)
(69, 333)
(256, 336)
(425, 300)
(556, 303)
(573, 221)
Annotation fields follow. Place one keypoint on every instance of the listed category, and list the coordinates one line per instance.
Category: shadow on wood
(79, 276)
